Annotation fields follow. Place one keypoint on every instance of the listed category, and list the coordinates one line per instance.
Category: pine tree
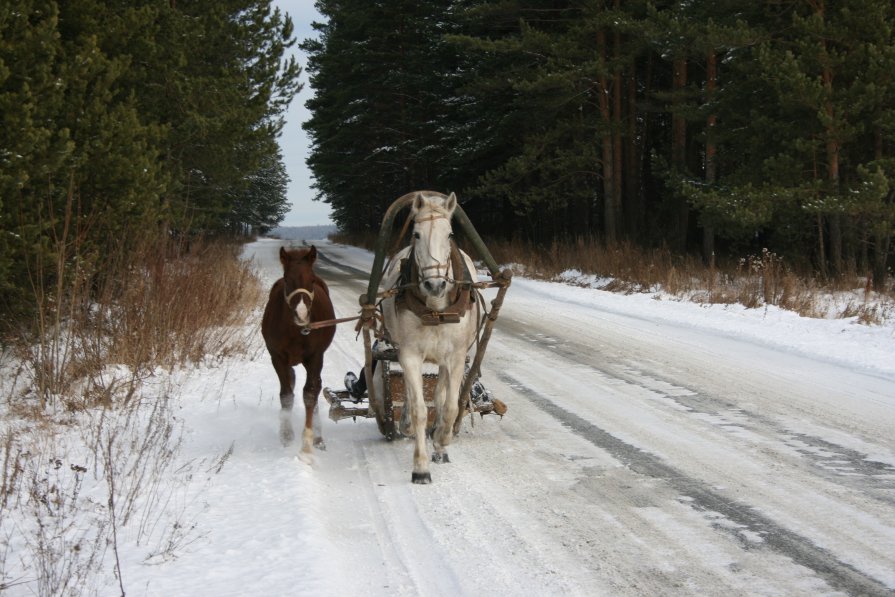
(771, 122)
(263, 204)
(118, 116)
(382, 85)
(822, 72)
(547, 79)
(31, 147)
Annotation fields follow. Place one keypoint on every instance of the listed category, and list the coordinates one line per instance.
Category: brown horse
(297, 299)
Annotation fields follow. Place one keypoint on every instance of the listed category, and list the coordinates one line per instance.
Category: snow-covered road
(651, 448)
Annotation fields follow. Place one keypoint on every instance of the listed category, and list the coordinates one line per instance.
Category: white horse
(431, 321)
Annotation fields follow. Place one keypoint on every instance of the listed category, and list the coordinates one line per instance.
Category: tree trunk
(881, 243)
(633, 196)
(882, 238)
(833, 150)
(821, 249)
(610, 212)
(617, 92)
(711, 175)
(679, 146)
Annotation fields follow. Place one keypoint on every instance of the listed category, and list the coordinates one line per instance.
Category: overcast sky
(294, 141)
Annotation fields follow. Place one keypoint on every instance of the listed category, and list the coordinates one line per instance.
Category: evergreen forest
(710, 127)
(127, 119)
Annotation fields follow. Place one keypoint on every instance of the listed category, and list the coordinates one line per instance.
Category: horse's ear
(311, 257)
(284, 257)
(450, 203)
(418, 202)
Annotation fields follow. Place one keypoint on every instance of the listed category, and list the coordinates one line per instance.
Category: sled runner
(345, 405)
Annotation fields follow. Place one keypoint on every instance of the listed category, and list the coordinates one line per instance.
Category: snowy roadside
(844, 341)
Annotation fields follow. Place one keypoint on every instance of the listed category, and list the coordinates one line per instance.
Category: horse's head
(432, 236)
(298, 282)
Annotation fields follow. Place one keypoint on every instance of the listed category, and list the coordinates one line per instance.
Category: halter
(290, 295)
(305, 330)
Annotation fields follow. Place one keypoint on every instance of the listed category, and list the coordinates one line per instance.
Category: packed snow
(652, 447)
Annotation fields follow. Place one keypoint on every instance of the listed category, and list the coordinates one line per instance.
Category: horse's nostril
(434, 287)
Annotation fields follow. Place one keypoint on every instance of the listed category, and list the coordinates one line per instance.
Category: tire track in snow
(354, 273)
(396, 567)
(838, 574)
(837, 464)
(401, 522)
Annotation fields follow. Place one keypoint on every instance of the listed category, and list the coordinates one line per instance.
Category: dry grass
(160, 305)
(367, 241)
(171, 312)
(755, 281)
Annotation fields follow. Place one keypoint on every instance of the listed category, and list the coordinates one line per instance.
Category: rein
(316, 325)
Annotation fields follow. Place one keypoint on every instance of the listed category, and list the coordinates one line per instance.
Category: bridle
(408, 294)
(438, 266)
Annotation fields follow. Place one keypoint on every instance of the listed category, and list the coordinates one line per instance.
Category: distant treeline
(121, 119)
(718, 126)
(303, 233)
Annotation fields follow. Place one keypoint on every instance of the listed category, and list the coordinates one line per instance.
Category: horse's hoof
(287, 436)
(421, 478)
(320, 444)
(440, 458)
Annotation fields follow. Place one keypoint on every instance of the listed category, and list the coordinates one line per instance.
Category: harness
(462, 298)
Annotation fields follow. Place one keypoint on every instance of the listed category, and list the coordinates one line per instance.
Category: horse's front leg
(286, 375)
(312, 435)
(415, 402)
(450, 379)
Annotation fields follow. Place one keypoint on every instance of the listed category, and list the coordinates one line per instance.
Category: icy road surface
(650, 448)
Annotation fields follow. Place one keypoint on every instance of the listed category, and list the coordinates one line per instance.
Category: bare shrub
(160, 305)
(85, 454)
(58, 542)
(70, 493)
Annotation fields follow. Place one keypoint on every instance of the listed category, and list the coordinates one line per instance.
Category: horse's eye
(451, 235)
(416, 235)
